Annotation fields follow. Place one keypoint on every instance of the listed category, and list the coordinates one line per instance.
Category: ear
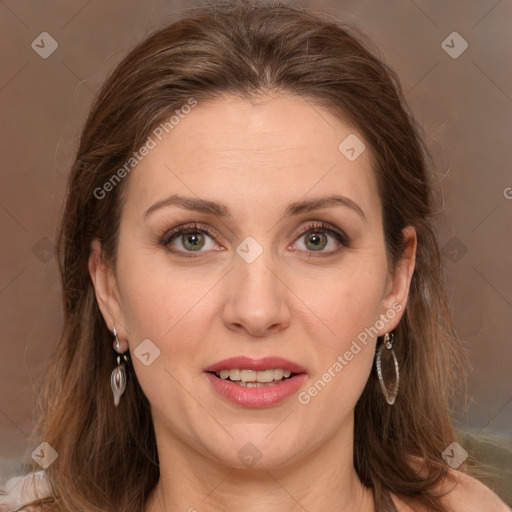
(397, 290)
(106, 290)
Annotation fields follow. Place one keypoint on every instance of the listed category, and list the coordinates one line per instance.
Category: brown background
(464, 104)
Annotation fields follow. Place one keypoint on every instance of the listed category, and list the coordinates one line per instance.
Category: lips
(247, 363)
(256, 397)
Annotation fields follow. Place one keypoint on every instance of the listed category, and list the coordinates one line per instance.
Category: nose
(256, 298)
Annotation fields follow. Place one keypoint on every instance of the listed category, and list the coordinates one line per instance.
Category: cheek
(344, 301)
(159, 307)
(173, 310)
(147, 306)
(156, 298)
(343, 357)
(344, 331)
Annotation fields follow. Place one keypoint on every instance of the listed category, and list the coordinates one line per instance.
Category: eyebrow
(221, 210)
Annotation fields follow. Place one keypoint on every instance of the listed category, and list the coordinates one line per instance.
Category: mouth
(255, 379)
(247, 364)
(260, 383)
(252, 393)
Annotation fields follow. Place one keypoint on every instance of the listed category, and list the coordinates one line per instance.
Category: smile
(253, 393)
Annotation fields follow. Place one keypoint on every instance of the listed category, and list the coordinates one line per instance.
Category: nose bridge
(253, 269)
(256, 297)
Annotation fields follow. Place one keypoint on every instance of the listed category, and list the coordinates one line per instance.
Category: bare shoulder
(19, 490)
(463, 493)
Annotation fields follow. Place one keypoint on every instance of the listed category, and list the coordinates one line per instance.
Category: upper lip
(246, 363)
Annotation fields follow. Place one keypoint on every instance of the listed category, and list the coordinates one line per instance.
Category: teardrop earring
(118, 377)
(389, 395)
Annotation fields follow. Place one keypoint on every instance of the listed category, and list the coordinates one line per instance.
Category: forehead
(253, 155)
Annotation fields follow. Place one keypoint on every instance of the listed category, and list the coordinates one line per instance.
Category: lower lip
(264, 396)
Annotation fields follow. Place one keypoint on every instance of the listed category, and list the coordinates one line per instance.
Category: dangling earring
(118, 377)
(388, 343)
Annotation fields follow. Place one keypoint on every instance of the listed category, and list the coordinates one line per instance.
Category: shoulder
(463, 493)
(20, 490)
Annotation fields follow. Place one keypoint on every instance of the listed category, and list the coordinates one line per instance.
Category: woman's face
(267, 282)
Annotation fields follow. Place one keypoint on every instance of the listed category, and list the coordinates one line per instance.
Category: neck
(321, 479)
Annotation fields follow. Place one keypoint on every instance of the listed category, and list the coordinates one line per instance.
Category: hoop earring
(388, 343)
(118, 377)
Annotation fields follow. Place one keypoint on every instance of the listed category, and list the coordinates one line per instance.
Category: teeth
(246, 377)
(278, 373)
(254, 384)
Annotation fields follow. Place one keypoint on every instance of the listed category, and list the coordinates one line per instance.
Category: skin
(256, 158)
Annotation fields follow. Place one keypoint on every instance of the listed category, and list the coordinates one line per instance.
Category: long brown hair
(107, 457)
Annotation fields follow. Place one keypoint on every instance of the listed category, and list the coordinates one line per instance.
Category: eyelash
(316, 227)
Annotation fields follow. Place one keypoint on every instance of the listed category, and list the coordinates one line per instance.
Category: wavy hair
(108, 457)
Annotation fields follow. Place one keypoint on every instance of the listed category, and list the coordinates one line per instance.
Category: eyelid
(185, 228)
(310, 226)
(324, 226)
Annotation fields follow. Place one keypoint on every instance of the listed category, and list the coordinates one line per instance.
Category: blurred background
(453, 58)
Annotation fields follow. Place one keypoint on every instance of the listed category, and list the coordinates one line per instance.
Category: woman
(255, 312)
